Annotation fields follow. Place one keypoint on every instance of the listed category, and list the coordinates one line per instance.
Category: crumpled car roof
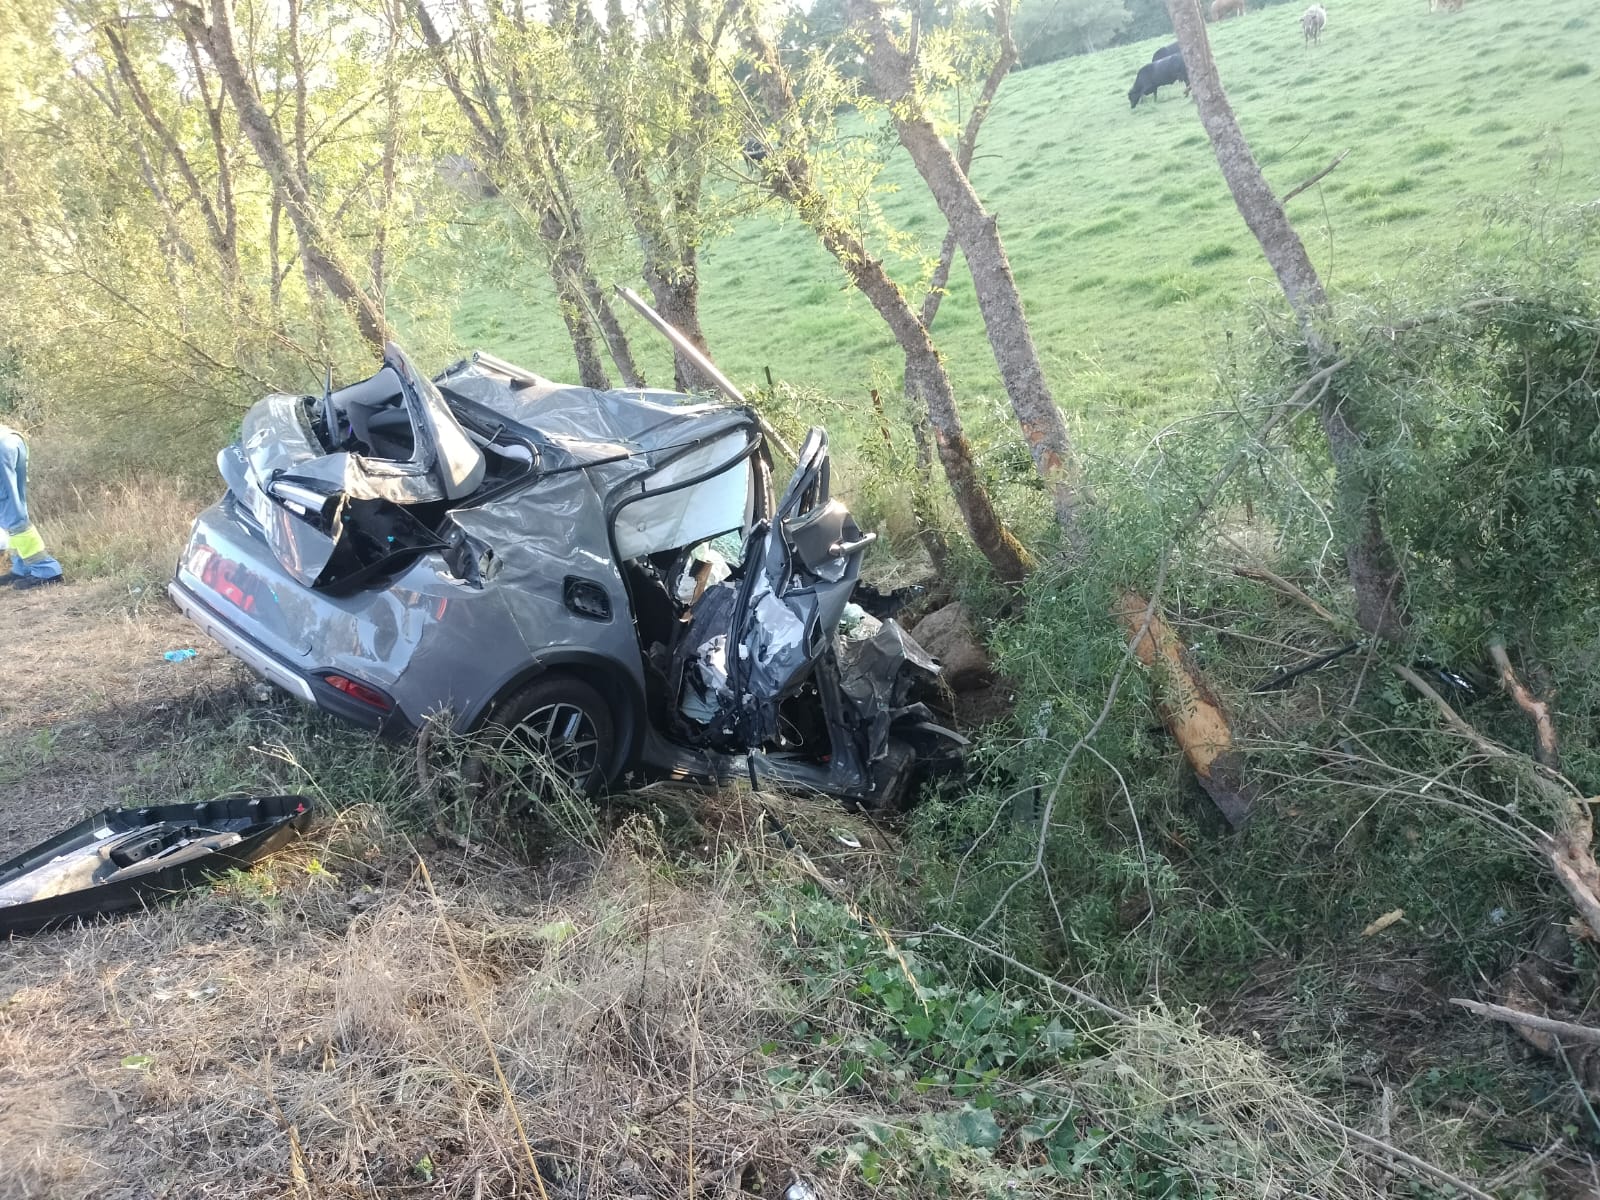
(588, 424)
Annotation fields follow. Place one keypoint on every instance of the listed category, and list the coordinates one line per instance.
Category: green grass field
(1132, 259)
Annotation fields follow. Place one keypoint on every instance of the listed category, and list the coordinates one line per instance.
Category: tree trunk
(967, 145)
(316, 246)
(665, 229)
(227, 206)
(999, 301)
(790, 180)
(611, 329)
(565, 267)
(676, 290)
(532, 172)
(221, 233)
(668, 269)
(1005, 59)
(379, 261)
(599, 304)
(1373, 566)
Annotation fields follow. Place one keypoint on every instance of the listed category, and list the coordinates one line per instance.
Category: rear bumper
(274, 670)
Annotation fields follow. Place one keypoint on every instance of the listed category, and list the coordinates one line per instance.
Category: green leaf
(978, 1128)
(555, 931)
(138, 1062)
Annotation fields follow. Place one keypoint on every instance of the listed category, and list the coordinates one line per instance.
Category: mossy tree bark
(1369, 557)
(788, 176)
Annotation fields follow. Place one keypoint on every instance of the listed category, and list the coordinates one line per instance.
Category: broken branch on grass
(1582, 894)
(1450, 716)
(1191, 710)
(1522, 1169)
(1315, 179)
(1378, 1148)
(1078, 994)
(1570, 853)
(1262, 575)
(1544, 743)
(1513, 1016)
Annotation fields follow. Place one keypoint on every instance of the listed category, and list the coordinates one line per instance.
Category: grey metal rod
(697, 356)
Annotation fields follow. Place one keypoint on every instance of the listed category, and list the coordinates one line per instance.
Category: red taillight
(358, 691)
(216, 573)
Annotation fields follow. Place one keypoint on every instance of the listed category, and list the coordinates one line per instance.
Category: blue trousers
(27, 547)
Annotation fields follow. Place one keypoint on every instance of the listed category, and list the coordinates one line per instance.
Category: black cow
(1158, 74)
(1166, 51)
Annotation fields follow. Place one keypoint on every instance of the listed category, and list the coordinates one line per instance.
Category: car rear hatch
(345, 488)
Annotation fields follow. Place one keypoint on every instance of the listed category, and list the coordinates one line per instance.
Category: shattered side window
(689, 500)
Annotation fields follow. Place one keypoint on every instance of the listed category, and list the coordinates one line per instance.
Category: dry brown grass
(85, 694)
(317, 1033)
(107, 516)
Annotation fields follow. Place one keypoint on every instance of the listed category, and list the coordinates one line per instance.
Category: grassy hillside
(1120, 229)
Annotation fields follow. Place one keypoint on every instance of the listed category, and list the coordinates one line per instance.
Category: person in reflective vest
(31, 567)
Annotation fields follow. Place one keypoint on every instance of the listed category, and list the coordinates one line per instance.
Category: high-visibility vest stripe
(27, 544)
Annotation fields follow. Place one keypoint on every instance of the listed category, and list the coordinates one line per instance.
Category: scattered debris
(1282, 677)
(123, 857)
(1393, 917)
(180, 655)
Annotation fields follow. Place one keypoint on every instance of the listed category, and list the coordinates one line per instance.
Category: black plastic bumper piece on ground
(125, 858)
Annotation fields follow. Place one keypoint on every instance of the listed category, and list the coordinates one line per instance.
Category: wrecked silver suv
(602, 575)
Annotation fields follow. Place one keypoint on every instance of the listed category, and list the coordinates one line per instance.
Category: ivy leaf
(978, 1128)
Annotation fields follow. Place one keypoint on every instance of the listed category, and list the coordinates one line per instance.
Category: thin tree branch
(1078, 994)
(1315, 179)
(1544, 744)
(1365, 1143)
(1513, 1016)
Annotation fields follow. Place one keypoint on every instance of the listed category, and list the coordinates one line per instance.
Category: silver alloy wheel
(565, 736)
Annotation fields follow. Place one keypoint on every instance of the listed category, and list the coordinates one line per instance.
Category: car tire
(563, 718)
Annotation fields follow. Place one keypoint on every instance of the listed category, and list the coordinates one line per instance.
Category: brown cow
(1221, 10)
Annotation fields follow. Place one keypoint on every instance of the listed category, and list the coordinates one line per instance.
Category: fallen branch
(1381, 1149)
(1451, 717)
(1261, 574)
(1583, 896)
(1078, 994)
(1512, 1016)
(1544, 744)
(1192, 712)
(1315, 179)
(1570, 853)
(1522, 1169)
